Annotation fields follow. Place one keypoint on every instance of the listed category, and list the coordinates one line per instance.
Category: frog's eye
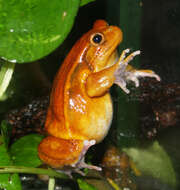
(97, 39)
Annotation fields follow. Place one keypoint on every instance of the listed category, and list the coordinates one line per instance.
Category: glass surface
(146, 119)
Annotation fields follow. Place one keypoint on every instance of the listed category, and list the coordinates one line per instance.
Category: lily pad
(31, 29)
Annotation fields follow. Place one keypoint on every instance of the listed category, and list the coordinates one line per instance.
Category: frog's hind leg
(65, 154)
(57, 152)
(81, 163)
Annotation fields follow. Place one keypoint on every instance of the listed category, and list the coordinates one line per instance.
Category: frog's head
(103, 42)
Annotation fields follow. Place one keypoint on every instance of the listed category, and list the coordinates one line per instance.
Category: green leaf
(6, 72)
(84, 2)
(31, 29)
(5, 132)
(7, 181)
(153, 161)
(24, 151)
(83, 185)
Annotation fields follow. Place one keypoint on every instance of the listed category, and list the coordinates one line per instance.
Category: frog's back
(72, 114)
(55, 119)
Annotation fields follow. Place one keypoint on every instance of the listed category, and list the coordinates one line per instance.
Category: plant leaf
(84, 2)
(5, 132)
(24, 151)
(7, 181)
(153, 161)
(83, 185)
(31, 29)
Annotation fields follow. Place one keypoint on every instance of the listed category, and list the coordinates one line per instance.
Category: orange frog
(80, 110)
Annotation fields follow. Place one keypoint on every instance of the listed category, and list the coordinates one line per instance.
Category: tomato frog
(80, 110)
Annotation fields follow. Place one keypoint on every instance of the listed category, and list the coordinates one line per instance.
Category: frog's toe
(146, 73)
(136, 74)
(77, 170)
(122, 84)
(82, 164)
(134, 79)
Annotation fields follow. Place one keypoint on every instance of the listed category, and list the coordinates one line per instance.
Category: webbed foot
(81, 163)
(126, 72)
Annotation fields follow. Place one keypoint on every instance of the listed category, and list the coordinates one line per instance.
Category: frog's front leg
(98, 83)
(125, 72)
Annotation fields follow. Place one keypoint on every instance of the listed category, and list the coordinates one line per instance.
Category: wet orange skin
(80, 110)
(80, 105)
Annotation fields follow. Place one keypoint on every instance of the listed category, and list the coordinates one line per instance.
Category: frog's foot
(123, 60)
(136, 74)
(81, 164)
(126, 73)
(68, 170)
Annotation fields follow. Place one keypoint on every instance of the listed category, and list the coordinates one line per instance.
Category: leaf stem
(51, 184)
(6, 72)
(22, 169)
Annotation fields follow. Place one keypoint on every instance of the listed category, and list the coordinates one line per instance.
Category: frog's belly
(94, 121)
